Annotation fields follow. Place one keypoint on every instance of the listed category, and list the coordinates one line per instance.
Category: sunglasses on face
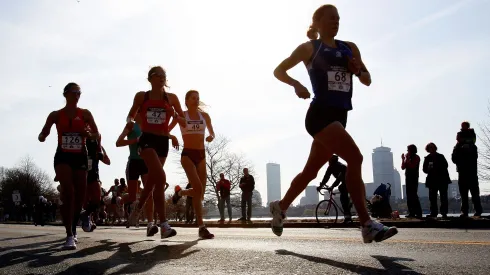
(157, 74)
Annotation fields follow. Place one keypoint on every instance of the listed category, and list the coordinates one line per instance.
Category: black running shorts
(158, 143)
(77, 161)
(318, 117)
(135, 169)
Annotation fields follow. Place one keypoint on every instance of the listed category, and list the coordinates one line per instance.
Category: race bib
(71, 142)
(156, 115)
(195, 125)
(339, 81)
(89, 164)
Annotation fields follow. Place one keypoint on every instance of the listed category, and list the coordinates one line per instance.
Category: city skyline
(106, 57)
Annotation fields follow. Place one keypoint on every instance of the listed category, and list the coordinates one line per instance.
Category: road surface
(26, 249)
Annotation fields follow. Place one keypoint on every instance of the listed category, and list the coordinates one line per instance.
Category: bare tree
(29, 179)
(484, 149)
(220, 159)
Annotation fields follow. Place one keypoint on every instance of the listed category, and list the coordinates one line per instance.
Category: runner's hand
(301, 91)
(209, 138)
(175, 142)
(41, 137)
(354, 65)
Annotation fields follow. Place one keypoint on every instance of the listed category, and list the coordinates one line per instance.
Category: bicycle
(323, 208)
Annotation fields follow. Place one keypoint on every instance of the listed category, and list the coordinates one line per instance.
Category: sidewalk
(470, 223)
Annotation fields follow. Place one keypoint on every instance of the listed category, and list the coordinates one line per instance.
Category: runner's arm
(106, 160)
(178, 109)
(138, 99)
(121, 141)
(172, 125)
(301, 54)
(47, 126)
(209, 125)
(89, 119)
(365, 76)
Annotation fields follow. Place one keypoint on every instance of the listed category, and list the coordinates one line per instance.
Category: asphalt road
(25, 249)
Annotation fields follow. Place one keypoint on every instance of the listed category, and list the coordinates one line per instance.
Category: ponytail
(312, 33)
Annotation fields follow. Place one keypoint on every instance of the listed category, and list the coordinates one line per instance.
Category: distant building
(397, 184)
(384, 171)
(273, 182)
(311, 196)
(422, 191)
(453, 190)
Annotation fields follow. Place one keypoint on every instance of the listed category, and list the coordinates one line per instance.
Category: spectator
(465, 156)
(224, 188)
(411, 165)
(435, 166)
(189, 209)
(247, 184)
(466, 136)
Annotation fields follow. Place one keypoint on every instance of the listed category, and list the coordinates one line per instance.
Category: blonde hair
(201, 105)
(312, 32)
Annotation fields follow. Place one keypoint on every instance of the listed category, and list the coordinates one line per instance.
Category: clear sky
(428, 61)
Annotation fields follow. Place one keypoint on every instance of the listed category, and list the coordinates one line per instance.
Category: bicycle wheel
(326, 212)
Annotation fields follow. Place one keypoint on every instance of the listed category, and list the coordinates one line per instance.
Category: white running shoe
(377, 232)
(278, 217)
(75, 238)
(70, 243)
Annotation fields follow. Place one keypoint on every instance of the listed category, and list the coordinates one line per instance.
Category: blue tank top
(330, 76)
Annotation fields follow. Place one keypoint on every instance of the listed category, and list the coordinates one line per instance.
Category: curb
(429, 223)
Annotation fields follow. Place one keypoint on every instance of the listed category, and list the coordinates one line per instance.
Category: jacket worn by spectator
(466, 158)
(248, 183)
(435, 166)
(224, 187)
(411, 166)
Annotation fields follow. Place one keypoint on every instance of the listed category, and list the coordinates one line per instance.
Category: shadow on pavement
(134, 262)
(43, 254)
(389, 263)
(25, 237)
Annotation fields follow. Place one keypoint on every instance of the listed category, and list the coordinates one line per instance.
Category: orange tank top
(70, 132)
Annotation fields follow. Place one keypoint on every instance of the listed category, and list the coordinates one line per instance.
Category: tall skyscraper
(273, 182)
(397, 183)
(383, 170)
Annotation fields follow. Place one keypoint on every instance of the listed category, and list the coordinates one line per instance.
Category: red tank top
(155, 114)
(70, 138)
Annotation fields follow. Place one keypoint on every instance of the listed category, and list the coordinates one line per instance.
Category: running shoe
(151, 229)
(376, 231)
(70, 243)
(278, 217)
